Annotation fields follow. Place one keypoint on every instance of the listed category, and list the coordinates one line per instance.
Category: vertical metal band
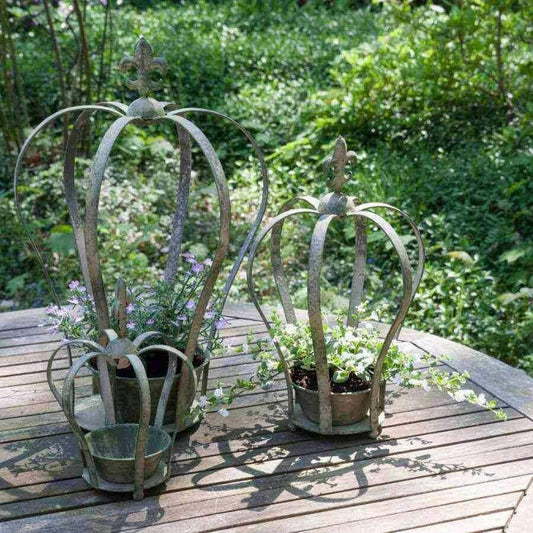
(142, 430)
(419, 272)
(275, 255)
(316, 253)
(174, 355)
(93, 257)
(359, 268)
(220, 254)
(182, 200)
(91, 218)
(407, 285)
(68, 408)
(255, 225)
(69, 185)
(253, 295)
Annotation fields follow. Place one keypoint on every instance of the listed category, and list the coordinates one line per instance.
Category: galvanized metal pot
(127, 401)
(346, 407)
(113, 451)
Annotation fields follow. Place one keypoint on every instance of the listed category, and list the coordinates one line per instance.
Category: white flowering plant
(353, 351)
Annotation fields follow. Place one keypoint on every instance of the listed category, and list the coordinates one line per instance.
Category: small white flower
(202, 401)
(360, 308)
(374, 316)
(218, 393)
(481, 399)
(245, 348)
(291, 329)
(462, 395)
(223, 412)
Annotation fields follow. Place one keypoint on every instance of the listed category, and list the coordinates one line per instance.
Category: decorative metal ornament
(145, 110)
(335, 205)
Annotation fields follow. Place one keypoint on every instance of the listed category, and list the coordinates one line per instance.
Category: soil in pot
(127, 394)
(307, 379)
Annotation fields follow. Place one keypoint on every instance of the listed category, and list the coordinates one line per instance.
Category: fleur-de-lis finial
(145, 62)
(340, 158)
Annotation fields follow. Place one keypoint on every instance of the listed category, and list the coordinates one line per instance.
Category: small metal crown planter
(143, 111)
(124, 457)
(323, 411)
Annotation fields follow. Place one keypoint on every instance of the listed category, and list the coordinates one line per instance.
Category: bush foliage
(434, 98)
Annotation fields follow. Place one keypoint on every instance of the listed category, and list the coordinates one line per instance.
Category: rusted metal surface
(335, 204)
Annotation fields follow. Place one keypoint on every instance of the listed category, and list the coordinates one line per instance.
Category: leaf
(508, 297)
(513, 255)
(462, 256)
(340, 376)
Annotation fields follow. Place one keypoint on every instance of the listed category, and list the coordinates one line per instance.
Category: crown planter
(91, 413)
(323, 411)
(124, 457)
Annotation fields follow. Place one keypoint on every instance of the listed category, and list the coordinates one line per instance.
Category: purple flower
(73, 285)
(73, 300)
(190, 305)
(150, 321)
(210, 314)
(208, 262)
(189, 257)
(130, 325)
(221, 322)
(197, 267)
(130, 308)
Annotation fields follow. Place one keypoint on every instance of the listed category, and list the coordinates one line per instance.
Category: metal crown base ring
(363, 426)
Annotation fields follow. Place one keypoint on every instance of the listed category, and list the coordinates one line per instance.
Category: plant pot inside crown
(350, 401)
(156, 365)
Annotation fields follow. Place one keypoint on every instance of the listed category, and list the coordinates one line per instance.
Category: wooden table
(440, 466)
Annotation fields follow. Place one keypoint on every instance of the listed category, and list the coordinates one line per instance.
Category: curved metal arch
(16, 173)
(49, 368)
(407, 283)
(316, 255)
(222, 245)
(275, 255)
(69, 186)
(264, 196)
(253, 296)
(419, 272)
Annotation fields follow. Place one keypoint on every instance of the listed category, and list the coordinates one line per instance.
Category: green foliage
(435, 99)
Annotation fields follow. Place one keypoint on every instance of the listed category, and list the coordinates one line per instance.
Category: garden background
(435, 98)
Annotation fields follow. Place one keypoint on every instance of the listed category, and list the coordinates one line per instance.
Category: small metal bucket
(113, 450)
(346, 407)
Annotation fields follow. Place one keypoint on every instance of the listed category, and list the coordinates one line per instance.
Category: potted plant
(351, 355)
(155, 312)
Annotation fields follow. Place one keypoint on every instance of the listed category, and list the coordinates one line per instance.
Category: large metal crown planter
(323, 411)
(143, 111)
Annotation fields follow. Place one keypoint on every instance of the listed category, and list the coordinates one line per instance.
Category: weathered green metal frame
(335, 205)
(116, 349)
(141, 111)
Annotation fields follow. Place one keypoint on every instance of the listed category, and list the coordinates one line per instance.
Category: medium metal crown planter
(143, 111)
(323, 411)
(124, 457)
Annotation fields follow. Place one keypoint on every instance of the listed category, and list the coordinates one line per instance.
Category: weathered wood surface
(438, 467)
